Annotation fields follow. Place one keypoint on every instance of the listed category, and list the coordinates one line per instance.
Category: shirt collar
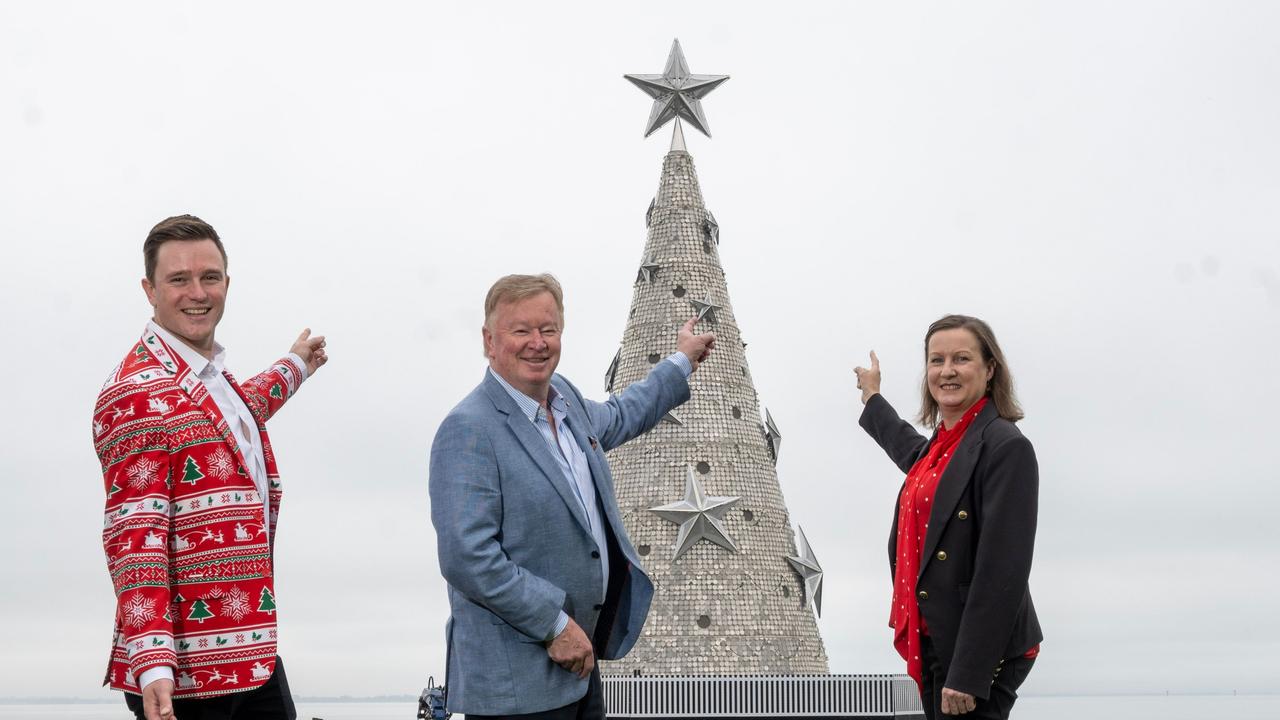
(529, 407)
(198, 363)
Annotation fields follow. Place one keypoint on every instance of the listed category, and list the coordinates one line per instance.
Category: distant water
(359, 711)
(306, 711)
(1147, 707)
(1134, 707)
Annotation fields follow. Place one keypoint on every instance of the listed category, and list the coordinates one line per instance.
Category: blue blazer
(516, 549)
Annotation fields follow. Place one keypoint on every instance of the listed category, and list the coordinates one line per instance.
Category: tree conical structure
(719, 608)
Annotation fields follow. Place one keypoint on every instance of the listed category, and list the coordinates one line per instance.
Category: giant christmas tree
(699, 493)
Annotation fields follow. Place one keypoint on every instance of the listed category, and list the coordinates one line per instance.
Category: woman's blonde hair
(999, 388)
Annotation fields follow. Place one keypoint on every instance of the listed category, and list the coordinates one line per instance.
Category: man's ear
(486, 338)
(150, 290)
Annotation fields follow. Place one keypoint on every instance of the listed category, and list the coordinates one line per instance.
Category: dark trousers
(271, 701)
(590, 707)
(1006, 678)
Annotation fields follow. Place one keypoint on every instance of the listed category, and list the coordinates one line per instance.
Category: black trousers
(271, 701)
(590, 707)
(1006, 678)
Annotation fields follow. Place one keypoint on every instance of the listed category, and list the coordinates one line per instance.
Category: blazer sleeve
(639, 407)
(466, 510)
(268, 391)
(134, 456)
(897, 437)
(1007, 497)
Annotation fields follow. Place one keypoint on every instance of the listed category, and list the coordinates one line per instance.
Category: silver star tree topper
(699, 516)
(810, 572)
(677, 93)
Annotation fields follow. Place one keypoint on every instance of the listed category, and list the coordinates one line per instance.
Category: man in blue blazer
(543, 579)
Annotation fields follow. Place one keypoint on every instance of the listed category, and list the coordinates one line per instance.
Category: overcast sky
(1099, 180)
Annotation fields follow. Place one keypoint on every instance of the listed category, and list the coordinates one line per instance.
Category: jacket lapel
(268, 459)
(191, 384)
(274, 491)
(531, 440)
(955, 480)
(588, 443)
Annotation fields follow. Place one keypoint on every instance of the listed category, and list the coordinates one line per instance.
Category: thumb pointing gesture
(311, 350)
(869, 379)
(695, 347)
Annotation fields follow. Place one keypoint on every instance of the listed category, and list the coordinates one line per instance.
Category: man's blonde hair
(514, 288)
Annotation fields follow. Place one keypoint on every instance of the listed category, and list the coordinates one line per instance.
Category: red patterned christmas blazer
(184, 533)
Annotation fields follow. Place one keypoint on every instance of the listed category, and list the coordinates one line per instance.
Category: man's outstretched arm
(643, 404)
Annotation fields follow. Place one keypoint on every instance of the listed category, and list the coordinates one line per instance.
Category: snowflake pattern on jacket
(187, 545)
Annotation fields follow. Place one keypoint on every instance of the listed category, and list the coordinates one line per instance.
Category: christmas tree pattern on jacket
(187, 544)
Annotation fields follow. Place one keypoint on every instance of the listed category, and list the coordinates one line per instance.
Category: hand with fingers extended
(869, 378)
(695, 347)
(955, 702)
(572, 650)
(157, 700)
(311, 350)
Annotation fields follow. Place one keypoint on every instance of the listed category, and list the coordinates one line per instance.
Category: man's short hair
(178, 227)
(514, 288)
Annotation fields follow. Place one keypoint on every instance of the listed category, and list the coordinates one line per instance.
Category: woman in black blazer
(964, 526)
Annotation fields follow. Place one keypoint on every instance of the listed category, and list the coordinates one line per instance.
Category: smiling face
(522, 342)
(189, 291)
(957, 374)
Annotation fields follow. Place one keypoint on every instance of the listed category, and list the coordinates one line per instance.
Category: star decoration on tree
(706, 309)
(810, 572)
(711, 228)
(700, 516)
(648, 270)
(772, 436)
(677, 93)
(612, 372)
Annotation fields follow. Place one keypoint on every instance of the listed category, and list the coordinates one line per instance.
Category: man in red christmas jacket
(192, 497)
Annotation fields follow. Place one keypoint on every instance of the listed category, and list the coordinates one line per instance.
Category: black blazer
(972, 588)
